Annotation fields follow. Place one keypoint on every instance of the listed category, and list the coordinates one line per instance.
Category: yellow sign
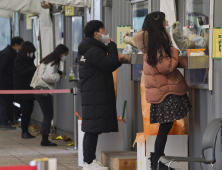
(28, 21)
(120, 30)
(217, 43)
(119, 37)
(123, 30)
(69, 10)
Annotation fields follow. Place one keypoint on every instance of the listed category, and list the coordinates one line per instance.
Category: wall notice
(217, 43)
(120, 30)
(29, 22)
(69, 10)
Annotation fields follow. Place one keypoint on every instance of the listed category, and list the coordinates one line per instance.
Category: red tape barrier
(35, 91)
(18, 168)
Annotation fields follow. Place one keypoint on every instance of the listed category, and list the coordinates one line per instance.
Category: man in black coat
(97, 63)
(7, 57)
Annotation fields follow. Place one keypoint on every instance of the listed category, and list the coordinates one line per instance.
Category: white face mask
(168, 28)
(30, 55)
(64, 58)
(18, 49)
(104, 39)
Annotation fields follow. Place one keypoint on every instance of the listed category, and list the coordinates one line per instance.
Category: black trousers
(27, 109)
(6, 105)
(89, 147)
(46, 104)
(161, 138)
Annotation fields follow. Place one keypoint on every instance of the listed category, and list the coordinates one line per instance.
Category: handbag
(41, 88)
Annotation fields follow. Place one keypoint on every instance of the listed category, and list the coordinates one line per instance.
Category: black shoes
(48, 143)
(154, 162)
(7, 127)
(27, 135)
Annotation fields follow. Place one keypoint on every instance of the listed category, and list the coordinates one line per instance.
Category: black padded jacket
(96, 85)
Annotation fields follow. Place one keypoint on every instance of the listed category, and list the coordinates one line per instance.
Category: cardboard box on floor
(106, 142)
(177, 145)
(120, 160)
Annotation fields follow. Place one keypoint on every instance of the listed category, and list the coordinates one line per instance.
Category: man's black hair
(91, 27)
(16, 40)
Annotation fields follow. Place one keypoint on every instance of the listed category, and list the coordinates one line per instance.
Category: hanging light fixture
(46, 5)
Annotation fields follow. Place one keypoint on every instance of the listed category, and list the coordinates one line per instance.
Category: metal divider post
(75, 91)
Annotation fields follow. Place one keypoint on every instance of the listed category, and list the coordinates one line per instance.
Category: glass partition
(87, 15)
(36, 40)
(97, 10)
(140, 11)
(77, 34)
(197, 13)
(59, 29)
(197, 18)
(16, 31)
(5, 32)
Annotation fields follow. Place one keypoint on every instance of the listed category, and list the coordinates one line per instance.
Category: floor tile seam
(29, 148)
(21, 160)
(8, 153)
(64, 166)
(26, 147)
(16, 158)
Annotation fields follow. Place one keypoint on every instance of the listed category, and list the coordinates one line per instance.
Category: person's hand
(37, 66)
(124, 58)
(111, 40)
(61, 76)
(121, 60)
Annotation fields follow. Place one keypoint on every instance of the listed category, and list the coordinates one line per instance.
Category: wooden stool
(121, 160)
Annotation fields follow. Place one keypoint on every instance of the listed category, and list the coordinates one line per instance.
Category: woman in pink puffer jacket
(166, 88)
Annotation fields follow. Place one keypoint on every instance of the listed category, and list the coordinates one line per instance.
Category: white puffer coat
(46, 76)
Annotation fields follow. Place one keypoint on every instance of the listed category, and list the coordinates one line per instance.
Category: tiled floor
(17, 151)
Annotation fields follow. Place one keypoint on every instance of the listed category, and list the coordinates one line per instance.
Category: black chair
(208, 142)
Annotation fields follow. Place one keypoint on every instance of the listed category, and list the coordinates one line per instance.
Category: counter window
(196, 30)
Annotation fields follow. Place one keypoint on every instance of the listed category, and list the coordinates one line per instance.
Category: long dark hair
(55, 56)
(27, 47)
(158, 38)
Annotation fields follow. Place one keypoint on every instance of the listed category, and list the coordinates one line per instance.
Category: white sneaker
(95, 165)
